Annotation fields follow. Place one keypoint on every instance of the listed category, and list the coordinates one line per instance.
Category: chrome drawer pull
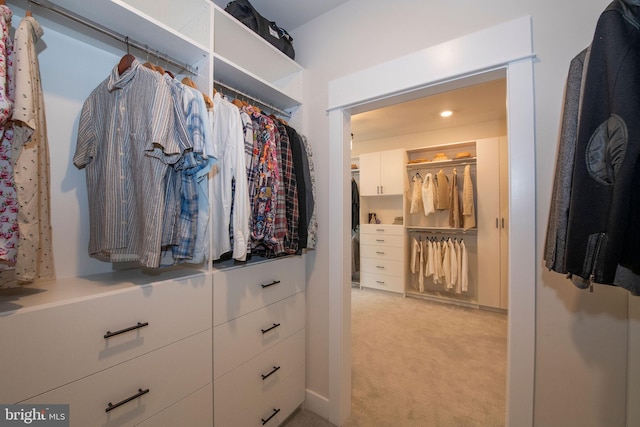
(110, 334)
(275, 412)
(275, 282)
(273, 371)
(379, 282)
(140, 392)
(380, 240)
(380, 267)
(380, 253)
(275, 325)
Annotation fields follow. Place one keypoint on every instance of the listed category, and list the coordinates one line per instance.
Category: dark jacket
(604, 216)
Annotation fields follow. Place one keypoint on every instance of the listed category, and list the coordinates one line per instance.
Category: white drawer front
(246, 386)
(382, 229)
(60, 344)
(196, 410)
(382, 240)
(277, 404)
(381, 281)
(381, 252)
(381, 266)
(239, 340)
(170, 374)
(239, 291)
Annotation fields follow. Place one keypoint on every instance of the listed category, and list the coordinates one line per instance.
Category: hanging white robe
(428, 195)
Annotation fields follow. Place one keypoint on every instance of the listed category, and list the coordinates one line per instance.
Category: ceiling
(478, 103)
(290, 14)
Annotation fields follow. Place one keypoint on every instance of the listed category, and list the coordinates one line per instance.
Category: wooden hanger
(207, 100)
(125, 63)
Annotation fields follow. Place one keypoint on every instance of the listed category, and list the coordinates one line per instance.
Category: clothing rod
(253, 98)
(117, 36)
(442, 231)
(440, 165)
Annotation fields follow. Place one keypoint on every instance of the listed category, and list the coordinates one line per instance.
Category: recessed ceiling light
(446, 113)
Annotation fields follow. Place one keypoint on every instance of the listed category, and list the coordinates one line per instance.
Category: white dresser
(382, 257)
(259, 342)
(121, 349)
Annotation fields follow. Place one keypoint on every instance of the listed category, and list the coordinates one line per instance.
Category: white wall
(581, 337)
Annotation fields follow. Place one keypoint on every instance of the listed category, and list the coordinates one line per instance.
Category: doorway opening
(503, 48)
(405, 349)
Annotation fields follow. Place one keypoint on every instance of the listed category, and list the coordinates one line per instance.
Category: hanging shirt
(312, 228)
(468, 205)
(31, 158)
(267, 182)
(423, 260)
(291, 240)
(126, 148)
(464, 268)
(416, 194)
(457, 285)
(8, 199)
(454, 202)
(430, 264)
(453, 264)
(442, 191)
(428, 195)
(229, 149)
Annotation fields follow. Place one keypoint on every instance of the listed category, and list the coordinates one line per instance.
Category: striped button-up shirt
(126, 140)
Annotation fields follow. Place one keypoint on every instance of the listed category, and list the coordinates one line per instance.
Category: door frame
(504, 48)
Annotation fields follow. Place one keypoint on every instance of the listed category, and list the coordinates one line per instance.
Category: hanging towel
(416, 194)
(442, 190)
(468, 207)
(428, 195)
(454, 202)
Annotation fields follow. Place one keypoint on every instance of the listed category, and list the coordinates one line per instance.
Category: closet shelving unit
(155, 330)
(436, 226)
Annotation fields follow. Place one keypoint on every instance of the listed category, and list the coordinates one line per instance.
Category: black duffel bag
(244, 12)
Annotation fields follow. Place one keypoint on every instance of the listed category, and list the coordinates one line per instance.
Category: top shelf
(124, 18)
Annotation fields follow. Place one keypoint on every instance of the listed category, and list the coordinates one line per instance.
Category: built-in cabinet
(382, 257)
(381, 173)
(164, 347)
(385, 246)
(493, 222)
(259, 342)
(107, 345)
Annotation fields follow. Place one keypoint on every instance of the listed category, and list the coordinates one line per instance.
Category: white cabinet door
(392, 172)
(382, 173)
(492, 225)
(370, 174)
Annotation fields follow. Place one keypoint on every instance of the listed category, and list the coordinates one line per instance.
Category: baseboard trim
(317, 404)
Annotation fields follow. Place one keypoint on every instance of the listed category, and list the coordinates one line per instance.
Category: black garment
(299, 155)
(355, 205)
(603, 227)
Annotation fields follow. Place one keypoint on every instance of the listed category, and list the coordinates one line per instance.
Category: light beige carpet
(422, 363)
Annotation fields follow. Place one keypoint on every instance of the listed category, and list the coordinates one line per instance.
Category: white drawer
(241, 339)
(242, 290)
(390, 240)
(195, 410)
(246, 386)
(382, 229)
(381, 281)
(381, 252)
(170, 374)
(62, 343)
(277, 404)
(382, 266)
